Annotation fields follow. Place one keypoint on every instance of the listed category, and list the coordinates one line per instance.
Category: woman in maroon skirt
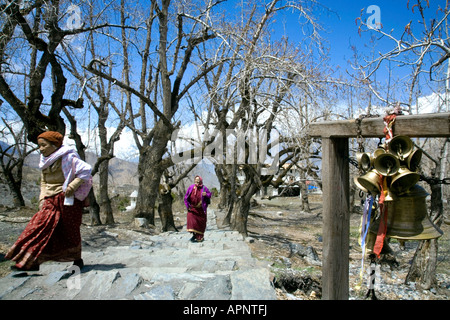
(196, 201)
(53, 233)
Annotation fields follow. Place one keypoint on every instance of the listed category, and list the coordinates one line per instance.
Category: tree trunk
(165, 209)
(423, 268)
(227, 220)
(148, 182)
(232, 192)
(242, 209)
(150, 171)
(94, 209)
(240, 214)
(224, 196)
(14, 187)
(105, 201)
(304, 195)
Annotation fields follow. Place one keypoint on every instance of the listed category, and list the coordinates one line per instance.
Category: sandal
(32, 268)
(79, 263)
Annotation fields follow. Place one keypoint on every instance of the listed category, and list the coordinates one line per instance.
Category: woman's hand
(204, 193)
(69, 191)
(73, 186)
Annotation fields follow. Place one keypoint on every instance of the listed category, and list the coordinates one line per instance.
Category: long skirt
(53, 233)
(196, 222)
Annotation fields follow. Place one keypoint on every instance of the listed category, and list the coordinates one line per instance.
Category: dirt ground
(279, 222)
(273, 225)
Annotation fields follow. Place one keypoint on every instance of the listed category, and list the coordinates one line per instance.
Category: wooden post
(336, 219)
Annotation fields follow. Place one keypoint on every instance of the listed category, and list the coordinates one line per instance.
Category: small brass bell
(390, 196)
(386, 164)
(360, 186)
(413, 160)
(401, 146)
(369, 182)
(408, 217)
(364, 160)
(377, 152)
(404, 180)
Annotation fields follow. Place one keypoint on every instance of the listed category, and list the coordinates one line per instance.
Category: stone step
(160, 267)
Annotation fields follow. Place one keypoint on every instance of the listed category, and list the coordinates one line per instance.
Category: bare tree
(12, 159)
(247, 93)
(163, 84)
(41, 34)
(102, 97)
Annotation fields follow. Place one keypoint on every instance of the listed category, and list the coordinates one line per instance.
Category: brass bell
(408, 217)
(360, 186)
(390, 196)
(369, 182)
(401, 146)
(413, 160)
(364, 160)
(404, 180)
(386, 164)
(378, 151)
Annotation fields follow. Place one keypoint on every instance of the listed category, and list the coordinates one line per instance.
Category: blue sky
(342, 30)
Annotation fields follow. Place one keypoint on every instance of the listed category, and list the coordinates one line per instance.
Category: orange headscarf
(54, 137)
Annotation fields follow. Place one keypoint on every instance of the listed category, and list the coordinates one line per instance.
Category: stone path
(160, 267)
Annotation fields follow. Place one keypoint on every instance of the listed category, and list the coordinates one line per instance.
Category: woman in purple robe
(196, 201)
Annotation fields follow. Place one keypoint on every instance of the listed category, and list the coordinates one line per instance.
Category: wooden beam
(423, 125)
(336, 219)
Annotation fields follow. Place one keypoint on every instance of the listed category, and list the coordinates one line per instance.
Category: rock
(56, 276)
(308, 253)
(312, 257)
(252, 285)
(284, 261)
(297, 248)
(97, 284)
(141, 223)
(126, 284)
(164, 292)
(12, 282)
(219, 288)
(249, 239)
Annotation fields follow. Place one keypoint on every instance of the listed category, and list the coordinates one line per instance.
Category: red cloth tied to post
(388, 130)
(382, 228)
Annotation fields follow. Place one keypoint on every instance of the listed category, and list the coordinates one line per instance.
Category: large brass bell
(386, 164)
(408, 217)
(401, 146)
(369, 182)
(404, 180)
